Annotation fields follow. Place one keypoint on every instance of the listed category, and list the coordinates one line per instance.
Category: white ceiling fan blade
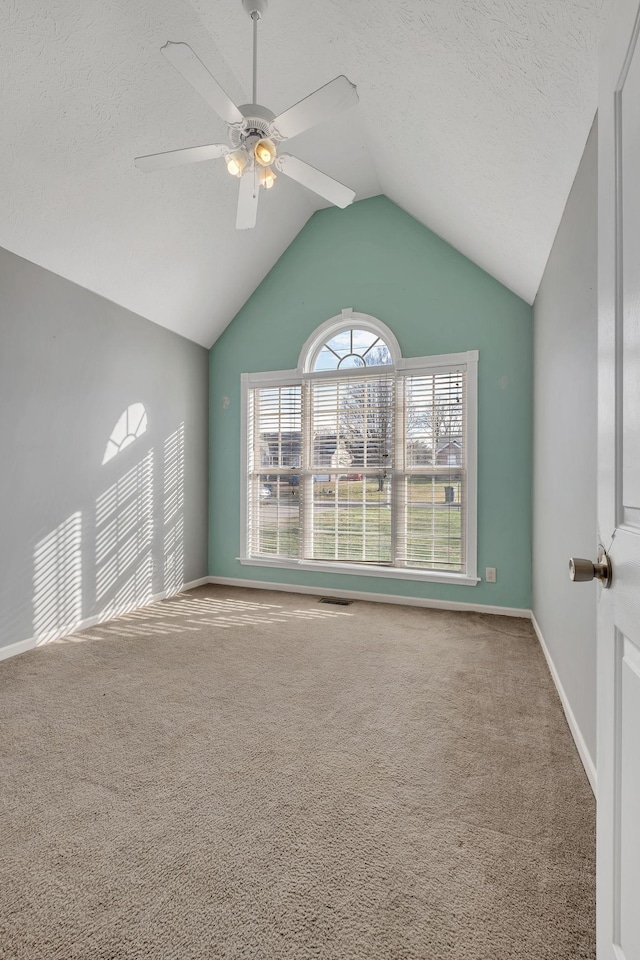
(174, 158)
(182, 57)
(326, 102)
(315, 180)
(248, 201)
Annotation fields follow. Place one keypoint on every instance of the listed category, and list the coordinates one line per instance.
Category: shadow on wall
(126, 551)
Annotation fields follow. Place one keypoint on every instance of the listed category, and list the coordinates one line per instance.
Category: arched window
(131, 425)
(352, 348)
(362, 461)
(350, 341)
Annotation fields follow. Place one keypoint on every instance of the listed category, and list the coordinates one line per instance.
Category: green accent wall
(377, 259)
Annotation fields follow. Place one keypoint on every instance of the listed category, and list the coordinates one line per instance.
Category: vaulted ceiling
(473, 116)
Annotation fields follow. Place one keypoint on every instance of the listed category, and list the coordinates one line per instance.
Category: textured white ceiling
(473, 118)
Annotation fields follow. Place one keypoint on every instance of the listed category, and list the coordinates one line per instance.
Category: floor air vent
(338, 601)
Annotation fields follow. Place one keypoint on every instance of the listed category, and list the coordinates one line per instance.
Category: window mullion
(398, 485)
(306, 479)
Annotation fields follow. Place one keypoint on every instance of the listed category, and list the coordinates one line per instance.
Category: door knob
(581, 570)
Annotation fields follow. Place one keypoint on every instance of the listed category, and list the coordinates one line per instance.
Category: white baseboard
(373, 597)
(13, 649)
(190, 586)
(583, 750)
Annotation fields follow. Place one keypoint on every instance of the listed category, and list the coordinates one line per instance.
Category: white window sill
(363, 570)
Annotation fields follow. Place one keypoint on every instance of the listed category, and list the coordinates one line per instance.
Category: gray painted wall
(564, 453)
(79, 537)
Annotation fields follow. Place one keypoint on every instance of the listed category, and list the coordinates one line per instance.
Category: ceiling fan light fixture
(265, 152)
(267, 177)
(254, 132)
(237, 162)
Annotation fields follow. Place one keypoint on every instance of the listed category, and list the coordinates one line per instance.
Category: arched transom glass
(353, 348)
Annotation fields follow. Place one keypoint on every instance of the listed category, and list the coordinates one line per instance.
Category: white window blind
(275, 419)
(362, 467)
(431, 488)
(348, 472)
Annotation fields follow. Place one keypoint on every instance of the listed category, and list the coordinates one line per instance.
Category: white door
(618, 865)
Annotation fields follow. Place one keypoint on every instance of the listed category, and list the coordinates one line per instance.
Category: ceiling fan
(255, 132)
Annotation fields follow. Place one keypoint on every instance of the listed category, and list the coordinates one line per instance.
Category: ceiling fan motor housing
(255, 8)
(255, 126)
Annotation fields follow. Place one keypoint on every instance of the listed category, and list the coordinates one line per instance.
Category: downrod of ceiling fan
(256, 10)
(255, 18)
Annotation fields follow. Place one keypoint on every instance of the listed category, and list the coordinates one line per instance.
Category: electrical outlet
(490, 574)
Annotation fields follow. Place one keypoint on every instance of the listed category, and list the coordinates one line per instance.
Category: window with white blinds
(348, 469)
(275, 415)
(364, 470)
(431, 496)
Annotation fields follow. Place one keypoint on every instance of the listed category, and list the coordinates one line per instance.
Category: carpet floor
(251, 774)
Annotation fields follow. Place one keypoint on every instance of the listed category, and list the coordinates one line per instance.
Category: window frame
(412, 366)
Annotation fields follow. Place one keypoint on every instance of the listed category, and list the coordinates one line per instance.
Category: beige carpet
(249, 774)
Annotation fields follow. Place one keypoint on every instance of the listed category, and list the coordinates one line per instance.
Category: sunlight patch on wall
(133, 544)
(57, 581)
(131, 425)
(136, 590)
(124, 534)
(173, 510)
